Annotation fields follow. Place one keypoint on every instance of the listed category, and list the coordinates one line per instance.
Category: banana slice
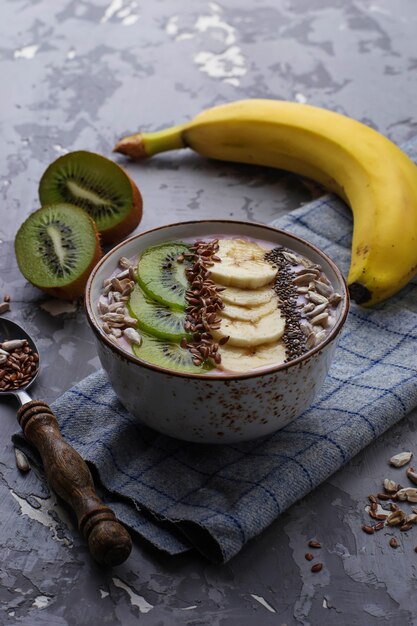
(242, 265)
(248, 334)
(247, 297)
(249, 314)
(236, 359)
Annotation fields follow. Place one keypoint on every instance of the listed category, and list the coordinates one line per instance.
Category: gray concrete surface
(79, 74)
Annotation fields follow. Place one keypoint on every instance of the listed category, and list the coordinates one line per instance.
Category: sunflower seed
(313, 543)
(323, 289)
(310, 341)
(411, 518)
(316, 310)
(369, 530)
(320, 319)
(320, 336)
(395, 518)
(106, 328)
(317, 298)
(129, 321)
(390, 485)
(398, 460)
(13, 344)
(409, 494)
(308, 308)
(291, 258)
(304, 279)
(102, 307)
(305, 327)
(122, 275)
(4, 307)
(335, 299)
(124, 263)
(22, 463)
(302, 290)
(132, 335)
(393, 542)
(112, 317)
(116, 284)
(412, 475)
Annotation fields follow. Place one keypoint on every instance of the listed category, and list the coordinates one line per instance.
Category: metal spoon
(66, 472)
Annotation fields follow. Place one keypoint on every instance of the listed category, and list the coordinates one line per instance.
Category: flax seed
(317, 567)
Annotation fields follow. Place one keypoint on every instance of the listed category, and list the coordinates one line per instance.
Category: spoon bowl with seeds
(66, 472)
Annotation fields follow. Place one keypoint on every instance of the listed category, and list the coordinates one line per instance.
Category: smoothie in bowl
(218, 314)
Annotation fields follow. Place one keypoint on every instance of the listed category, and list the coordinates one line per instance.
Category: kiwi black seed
(97, 185)
(168, 355)
(56, 248)
(156, 318)
(162, 277)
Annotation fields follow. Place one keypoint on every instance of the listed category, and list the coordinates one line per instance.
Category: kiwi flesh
(56, 249)
(169, 355)
(160, 275)
(156, 318)
(97, 185)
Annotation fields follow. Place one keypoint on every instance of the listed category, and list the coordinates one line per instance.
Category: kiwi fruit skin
(150, 274)
(94, 164)
(26, 258)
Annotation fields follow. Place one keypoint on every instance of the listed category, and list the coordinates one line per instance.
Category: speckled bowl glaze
(210, 408)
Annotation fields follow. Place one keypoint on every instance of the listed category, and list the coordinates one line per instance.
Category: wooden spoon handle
(68, 475)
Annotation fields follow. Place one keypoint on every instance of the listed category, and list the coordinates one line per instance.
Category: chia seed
(293, 337)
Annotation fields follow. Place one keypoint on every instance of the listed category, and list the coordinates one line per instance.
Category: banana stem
(142, 145)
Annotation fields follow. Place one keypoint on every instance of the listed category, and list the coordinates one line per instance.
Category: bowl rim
(207, 376)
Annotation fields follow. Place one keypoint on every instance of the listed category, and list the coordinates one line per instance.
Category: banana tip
(359, 293)
(131, 146)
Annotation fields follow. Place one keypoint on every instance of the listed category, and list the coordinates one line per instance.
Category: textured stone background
(79, 74)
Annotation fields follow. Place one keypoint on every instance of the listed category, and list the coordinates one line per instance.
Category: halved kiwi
(56, 248)
(156, 318)
(162, 277)
(97, 185)
(169, 355)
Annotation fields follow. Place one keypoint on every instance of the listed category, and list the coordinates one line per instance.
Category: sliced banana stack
(251, 317)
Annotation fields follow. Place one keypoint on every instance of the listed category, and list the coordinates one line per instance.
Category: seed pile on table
(316, 545)
(203, 303)
(297, 276)
(394, 516)
(115, 318)
(18, 364)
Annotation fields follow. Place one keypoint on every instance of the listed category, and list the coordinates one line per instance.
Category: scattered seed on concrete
(393, 542)
(317, 567)
(313, 543)
(401, 459)
(308, 556)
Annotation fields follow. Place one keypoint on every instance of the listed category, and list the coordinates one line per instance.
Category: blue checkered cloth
(181, 495)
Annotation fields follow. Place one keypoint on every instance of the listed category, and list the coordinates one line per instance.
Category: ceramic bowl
(210, 408)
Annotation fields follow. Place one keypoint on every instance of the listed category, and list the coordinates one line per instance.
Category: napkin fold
(180, 495)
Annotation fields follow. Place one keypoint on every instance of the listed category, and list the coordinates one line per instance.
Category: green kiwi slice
(56, 248)
(97, 185)
(161, 276)
(156, 318)
(168, 355)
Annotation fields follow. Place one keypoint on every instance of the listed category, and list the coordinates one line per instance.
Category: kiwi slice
(162, 277)
(56, 248)
(97, 185)
(169, 355)
(156, 318)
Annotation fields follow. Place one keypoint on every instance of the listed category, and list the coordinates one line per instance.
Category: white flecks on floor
(135, 599)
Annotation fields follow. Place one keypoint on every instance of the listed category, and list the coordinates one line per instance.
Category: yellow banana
(368, 171)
